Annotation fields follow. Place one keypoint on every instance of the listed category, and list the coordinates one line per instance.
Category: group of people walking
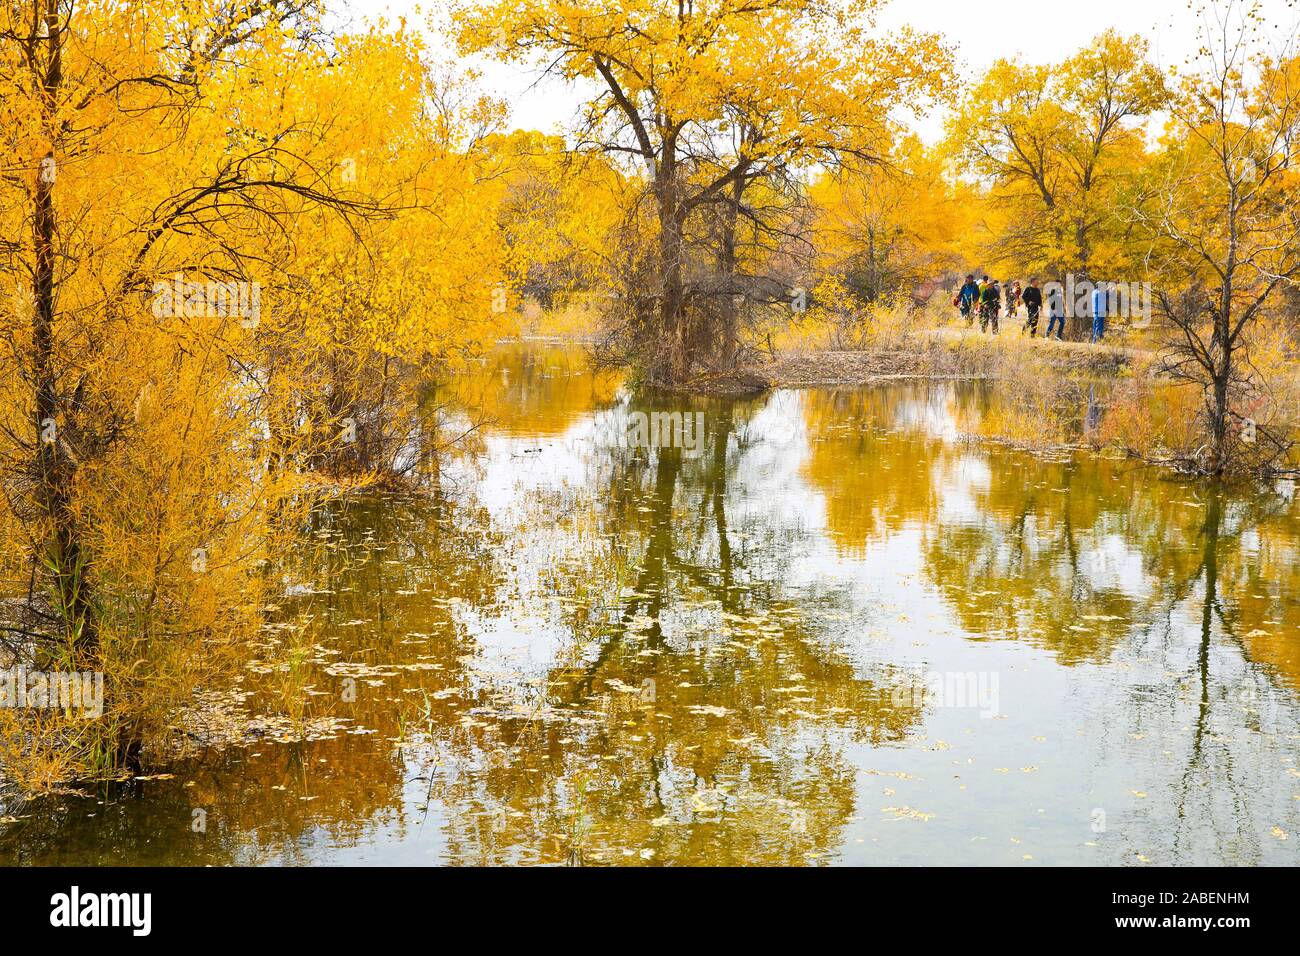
(992, 301)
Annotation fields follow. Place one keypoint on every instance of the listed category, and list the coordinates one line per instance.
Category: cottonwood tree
(891, 228)
(556, 211)
(126, 153)
(1055, 144)
(370, 309)
(1221, 211)
(707, 98)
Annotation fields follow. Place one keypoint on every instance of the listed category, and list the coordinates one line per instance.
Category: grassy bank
(1122, 396)
(943, 353)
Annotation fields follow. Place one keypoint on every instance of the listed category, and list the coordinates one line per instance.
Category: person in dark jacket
(1033, 299)
(990, 303)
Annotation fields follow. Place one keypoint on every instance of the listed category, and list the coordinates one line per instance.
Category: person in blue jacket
(1056, 312)
(967, 299)
(1098, 314)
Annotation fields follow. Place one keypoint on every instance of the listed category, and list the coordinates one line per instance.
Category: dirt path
(945, 353)
(1039, 341)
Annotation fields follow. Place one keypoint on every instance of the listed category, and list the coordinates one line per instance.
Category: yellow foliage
(238, 258)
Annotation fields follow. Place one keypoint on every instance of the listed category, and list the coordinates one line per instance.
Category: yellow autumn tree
(1219, 211)
(891, 227)
(556, 209)
(377, 308)
(1054, 145)
(703, 100)
(204, 205)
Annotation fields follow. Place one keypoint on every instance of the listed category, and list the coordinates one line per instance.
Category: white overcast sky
(1042, 31)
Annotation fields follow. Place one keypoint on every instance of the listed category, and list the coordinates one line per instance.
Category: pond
(814, 627)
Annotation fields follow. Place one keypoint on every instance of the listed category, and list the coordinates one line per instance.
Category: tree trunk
(672, 330)
(1222, 376)
(64, 555)
(728, 334)
(1221, 373)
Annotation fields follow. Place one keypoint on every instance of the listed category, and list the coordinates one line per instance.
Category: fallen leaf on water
(907, 813)
(708, 709)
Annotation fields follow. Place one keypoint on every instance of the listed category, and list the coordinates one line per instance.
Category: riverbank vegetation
(237, 252)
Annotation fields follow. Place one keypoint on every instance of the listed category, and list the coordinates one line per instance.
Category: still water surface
(829, 631)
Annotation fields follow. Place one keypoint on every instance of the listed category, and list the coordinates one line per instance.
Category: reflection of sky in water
(1069, 747)
(865, 542)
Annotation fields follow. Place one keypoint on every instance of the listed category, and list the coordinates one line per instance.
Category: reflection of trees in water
(1042, 559)
(874, 480)
(1034, 554)
(1069, 554)
(1099, 561)
(352, 787)
(737, 756)
(1233, 702)
(1006, 547)
(534, 391)
(357, 591)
